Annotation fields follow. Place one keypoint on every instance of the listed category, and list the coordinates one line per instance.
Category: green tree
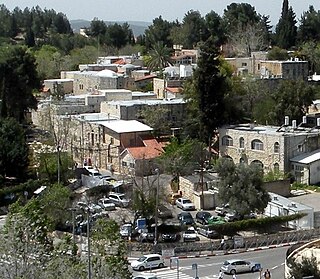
(277, 53)
(309, 26)
(119, 35)
(97, 28)
(18, 79)
(109, 251)
(304, 268)
(286, 29)
(310, 51)
(156, 117)
(291, 98)
(14, 149)
(55, 202)
(159, 57)
(206, 95)
(159, 31)
(215, 28)
(25, 242)
(241, 187)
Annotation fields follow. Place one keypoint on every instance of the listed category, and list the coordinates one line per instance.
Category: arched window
(241, 142)
(276, 167)
(258, 163)
(276, 147)
(257, 144)
(227, 141)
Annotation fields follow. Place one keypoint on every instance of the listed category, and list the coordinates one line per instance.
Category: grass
(299, 186)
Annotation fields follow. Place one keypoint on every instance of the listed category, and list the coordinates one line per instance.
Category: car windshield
(190, 231)
(186, 201)
(226, 263)
(141, 259)
(206, 214)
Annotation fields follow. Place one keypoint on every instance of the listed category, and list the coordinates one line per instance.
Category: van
(147, 262)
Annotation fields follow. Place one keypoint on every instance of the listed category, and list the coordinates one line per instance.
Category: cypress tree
(286, 29)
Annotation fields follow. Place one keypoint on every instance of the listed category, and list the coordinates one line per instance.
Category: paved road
(209, 267)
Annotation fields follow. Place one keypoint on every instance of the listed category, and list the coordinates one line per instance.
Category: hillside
(138, 27)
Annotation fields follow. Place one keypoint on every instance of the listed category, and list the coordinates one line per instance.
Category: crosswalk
(168, 273)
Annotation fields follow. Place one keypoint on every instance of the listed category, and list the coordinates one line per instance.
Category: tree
(25, 243)
(286, 29)
(304, 268)
(159, 31)
(119, 35)
(241, 187)
(14, 149)
(207, 94)
(18, 79)
(277, 53)
(247, 31)
(109, 251)
(55, 202)
(215, 28)
(309, 26)
(156, 117)
(159, 57)
(310, 51)
(291, 98)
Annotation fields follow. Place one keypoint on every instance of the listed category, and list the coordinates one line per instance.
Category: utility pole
(58, 153)
(88, 239)
(156, 212)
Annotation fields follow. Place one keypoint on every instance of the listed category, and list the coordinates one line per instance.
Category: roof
(145, 78)
(149, 102)
(307, 158)
(107, 73)
(287, 203)
(174, 89)
(151, 149)
(125, 126)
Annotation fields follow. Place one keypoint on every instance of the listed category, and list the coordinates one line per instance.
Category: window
(131, 165)
(227, 141)
(276, 147)
(257, 144)
(257, 163)
(241, 142)
(124, 164)
(276, 167)
(244, 64)
(300, 148)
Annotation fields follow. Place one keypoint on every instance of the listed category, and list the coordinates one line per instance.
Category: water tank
(286, 120)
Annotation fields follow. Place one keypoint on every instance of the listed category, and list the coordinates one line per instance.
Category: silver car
(239, 266)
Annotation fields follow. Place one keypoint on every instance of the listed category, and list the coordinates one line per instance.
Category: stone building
(273, 148)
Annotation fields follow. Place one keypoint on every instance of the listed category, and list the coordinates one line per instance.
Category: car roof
(235, 260)
(151, 255)
(185, 214)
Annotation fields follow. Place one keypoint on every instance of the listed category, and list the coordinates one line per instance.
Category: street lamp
(156, 211)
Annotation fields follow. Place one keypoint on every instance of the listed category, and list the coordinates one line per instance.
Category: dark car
(164, 212)
(208, 232)
(202, 217)
(185, 218)
(169, 237)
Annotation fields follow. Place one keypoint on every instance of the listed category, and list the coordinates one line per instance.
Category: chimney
(286, 120)
(294, 124)
(304, 119)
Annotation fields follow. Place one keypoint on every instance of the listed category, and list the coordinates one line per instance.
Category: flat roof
(307, 158)
(285, 202)
(125, 126)
(150, 102)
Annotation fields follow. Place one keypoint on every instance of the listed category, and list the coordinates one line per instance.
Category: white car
(190, 235)
(147, 262)
(106, 204)
(119, 199)
(238, 266)
(185, 204)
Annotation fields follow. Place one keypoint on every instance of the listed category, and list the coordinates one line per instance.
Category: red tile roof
(151, 149)
(146, 77)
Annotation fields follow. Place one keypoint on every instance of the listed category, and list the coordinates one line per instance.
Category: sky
(147, 10)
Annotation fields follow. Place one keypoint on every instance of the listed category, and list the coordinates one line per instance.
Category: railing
(212, 246)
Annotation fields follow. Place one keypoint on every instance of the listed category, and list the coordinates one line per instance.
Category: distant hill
(138, 27)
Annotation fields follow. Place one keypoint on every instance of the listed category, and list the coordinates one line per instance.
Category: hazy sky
(147, 10)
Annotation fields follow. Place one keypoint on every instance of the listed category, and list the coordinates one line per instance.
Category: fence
(212, 246)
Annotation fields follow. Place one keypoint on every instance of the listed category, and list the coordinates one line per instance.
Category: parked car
(190, 235)
(216, 220)
(164, 212)
(146, 276)
(207, 232)
(147, 262)
(185, 204)
(94, 208)
(202, 217)
(119, 199)
(146, 237)
(169, 237)
(185, 218)
(232, 216)
(222, 210)
(126, 230)
(107, 204)
(240, 266)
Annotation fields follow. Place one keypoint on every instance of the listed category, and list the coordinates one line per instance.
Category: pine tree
(286, 30)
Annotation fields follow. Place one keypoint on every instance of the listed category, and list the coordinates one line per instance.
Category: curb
(235, 251)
